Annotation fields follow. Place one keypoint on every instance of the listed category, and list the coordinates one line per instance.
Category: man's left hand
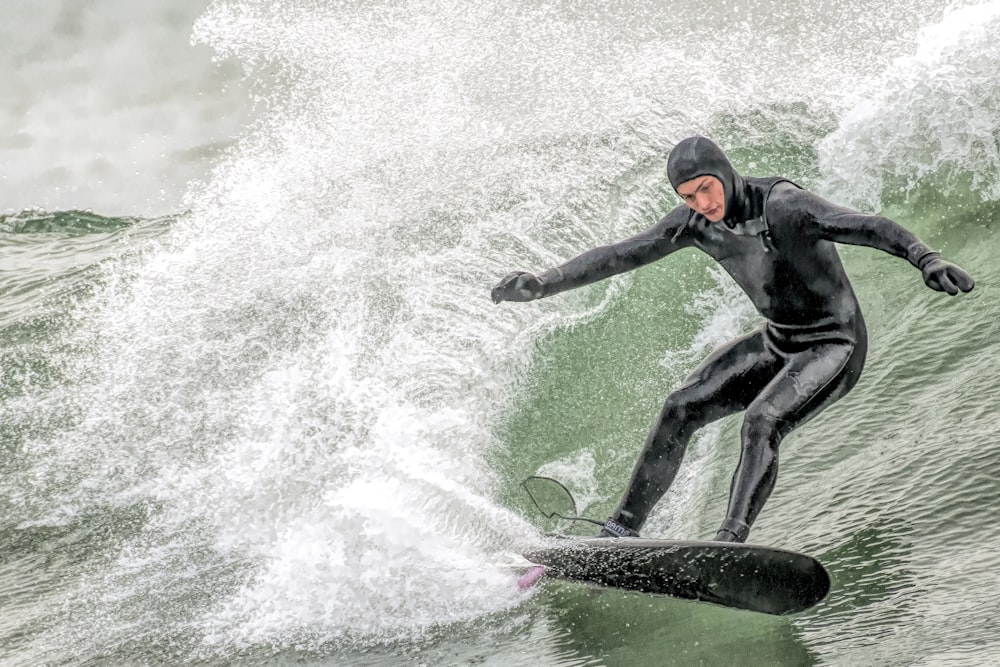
(946, 277)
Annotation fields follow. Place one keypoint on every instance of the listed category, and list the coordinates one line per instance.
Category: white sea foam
(930, 118)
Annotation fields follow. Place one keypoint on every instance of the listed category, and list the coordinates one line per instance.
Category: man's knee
(761, 432)
(680, 417)
(679, 407)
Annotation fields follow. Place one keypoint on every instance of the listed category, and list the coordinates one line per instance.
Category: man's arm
(603, 262)
(833, 222)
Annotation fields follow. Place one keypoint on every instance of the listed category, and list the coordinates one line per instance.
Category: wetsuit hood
(700, 156)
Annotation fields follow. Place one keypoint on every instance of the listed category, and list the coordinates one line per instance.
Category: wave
(70, 223)
(295, 394)
(928, 126)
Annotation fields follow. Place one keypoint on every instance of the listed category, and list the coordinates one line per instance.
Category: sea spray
(928, 122)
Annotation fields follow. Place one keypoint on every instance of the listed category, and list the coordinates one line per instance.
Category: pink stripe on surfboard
(529, 578)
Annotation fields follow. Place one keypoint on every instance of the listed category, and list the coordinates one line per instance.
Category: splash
(929, 121)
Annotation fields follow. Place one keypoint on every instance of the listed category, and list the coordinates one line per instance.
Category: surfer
(777, 242)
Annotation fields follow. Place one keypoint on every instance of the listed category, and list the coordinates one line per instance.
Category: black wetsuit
(808, 353)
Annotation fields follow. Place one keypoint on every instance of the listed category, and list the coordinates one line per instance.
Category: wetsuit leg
(811, 381)
(726, 382)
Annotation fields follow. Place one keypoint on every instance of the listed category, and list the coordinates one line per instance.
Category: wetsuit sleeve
(603, 262)
(833, 222)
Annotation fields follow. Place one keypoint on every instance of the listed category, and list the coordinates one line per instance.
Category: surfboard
(739, 576)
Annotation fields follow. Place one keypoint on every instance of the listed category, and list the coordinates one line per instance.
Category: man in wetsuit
(777, 242)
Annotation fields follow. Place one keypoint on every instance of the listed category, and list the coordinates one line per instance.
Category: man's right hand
(518, 286)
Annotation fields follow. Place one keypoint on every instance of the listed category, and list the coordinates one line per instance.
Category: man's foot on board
(614, 529)
(726, 536)
(732, 530)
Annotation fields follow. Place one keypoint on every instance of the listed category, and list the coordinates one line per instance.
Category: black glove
(518, 286)
(944, 276)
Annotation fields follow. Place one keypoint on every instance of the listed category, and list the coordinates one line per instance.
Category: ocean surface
(257, 408)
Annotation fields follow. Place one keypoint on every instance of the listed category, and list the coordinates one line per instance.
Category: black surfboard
(740, 576)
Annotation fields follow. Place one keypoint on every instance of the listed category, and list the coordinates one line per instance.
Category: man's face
(705, 195)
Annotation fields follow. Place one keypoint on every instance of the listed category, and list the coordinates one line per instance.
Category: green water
(889, 487)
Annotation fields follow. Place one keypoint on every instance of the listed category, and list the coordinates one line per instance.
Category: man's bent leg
(724, 384)
(809, 383)
(755, 476)
(661, 458)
